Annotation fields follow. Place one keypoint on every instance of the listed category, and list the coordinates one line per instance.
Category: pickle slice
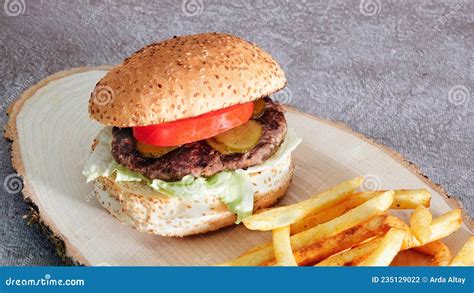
(221, 148)
(152, 151)
(240, 139)
(258, 108)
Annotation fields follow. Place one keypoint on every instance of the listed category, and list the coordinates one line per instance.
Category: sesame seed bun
(184, 77)
(140, 207)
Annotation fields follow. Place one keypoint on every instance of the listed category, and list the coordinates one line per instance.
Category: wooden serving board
(52, 135)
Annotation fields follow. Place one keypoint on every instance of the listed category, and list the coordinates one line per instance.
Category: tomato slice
(195, 128)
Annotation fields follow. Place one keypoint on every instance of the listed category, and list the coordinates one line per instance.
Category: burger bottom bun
(140, 207)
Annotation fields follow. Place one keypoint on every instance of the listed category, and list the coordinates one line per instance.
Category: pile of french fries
(344, 227)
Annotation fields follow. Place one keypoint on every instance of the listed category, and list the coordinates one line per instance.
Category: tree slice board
(52, 135)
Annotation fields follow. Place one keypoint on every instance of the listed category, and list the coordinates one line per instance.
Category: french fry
(341, 227)
(312, 252)
(388, 248)
(352, 256)
(333, 212)
(465, 256)
(317, 251)
(282, 247)
(402, 199)
(363, 250)
(441, 227)
(420, 224)
(287, 215)
(411, 198)
(367, 210)
(354, 217)
(445, 225)
(439, 252)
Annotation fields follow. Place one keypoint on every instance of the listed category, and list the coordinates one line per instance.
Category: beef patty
(198, 158)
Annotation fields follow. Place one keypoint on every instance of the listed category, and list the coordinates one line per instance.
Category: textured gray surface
(400, 72)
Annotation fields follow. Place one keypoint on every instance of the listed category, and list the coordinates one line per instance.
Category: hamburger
(192, 140)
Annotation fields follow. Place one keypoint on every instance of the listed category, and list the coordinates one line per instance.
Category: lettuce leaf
(288, 145)
(233, 187)
(100, 162)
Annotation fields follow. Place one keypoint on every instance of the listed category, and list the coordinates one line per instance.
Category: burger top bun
(184, 77)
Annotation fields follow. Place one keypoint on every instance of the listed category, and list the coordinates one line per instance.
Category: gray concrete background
(400, 72)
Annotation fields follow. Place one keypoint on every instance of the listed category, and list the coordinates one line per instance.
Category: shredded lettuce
(234, 187)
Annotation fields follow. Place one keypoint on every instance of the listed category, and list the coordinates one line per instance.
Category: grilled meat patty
(198, 158)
